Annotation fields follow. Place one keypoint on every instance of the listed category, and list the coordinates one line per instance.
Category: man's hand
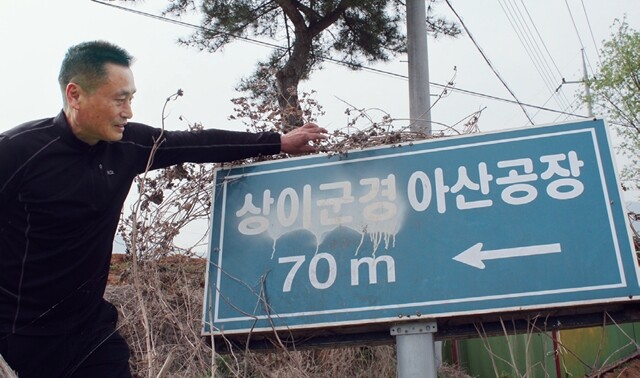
(297, 140)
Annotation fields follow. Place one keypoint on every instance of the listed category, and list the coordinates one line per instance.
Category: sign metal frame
(229, 259)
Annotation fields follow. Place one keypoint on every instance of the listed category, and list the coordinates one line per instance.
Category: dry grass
(173, 294)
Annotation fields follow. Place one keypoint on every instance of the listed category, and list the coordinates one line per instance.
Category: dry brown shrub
(173, 292)
(174, 295)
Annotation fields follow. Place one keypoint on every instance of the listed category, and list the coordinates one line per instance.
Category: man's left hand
(297, 141)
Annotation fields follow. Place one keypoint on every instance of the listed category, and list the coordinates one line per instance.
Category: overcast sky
(35, 34)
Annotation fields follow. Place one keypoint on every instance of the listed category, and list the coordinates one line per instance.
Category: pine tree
(353, 32)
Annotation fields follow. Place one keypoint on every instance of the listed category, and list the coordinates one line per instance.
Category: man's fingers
(303, 138)
(312, 127)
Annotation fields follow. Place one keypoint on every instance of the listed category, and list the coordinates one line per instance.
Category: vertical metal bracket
(415, 349)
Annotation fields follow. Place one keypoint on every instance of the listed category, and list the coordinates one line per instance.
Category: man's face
(102, 114)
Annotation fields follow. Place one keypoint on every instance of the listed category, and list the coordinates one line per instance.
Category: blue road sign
(514, 220)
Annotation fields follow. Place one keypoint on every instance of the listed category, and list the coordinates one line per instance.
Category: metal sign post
(419, 93)
(415, 349)
(420, 114)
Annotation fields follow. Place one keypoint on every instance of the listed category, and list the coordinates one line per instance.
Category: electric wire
(523, 32)
(545, 103)
(573, 21)
(484, 56)
(546, 49)
(575, 27)
(561, 95)
(339, 62)
(572, 107)
(560, 76)
(595, 45)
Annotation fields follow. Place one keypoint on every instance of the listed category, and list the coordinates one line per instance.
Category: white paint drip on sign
(380, 222)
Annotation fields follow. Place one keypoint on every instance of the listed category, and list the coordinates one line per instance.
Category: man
(63, 182)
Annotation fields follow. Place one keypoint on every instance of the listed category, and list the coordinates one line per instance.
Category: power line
(476, 94)
(532, 48)
(484, 56)
(575, 27)
(545, 103)
(595, 45)
(540, 38)
(521, 28)
(586, 57)
(546, 49)
(191, 26)
(573, 21)
(339, 62)
(572, 107)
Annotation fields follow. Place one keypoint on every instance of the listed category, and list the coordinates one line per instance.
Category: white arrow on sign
(475, 257)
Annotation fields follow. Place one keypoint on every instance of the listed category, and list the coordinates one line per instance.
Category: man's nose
(127, 112)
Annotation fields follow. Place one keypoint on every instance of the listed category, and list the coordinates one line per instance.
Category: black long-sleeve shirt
(60, 203)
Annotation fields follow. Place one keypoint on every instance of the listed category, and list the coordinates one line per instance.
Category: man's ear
(73, 93)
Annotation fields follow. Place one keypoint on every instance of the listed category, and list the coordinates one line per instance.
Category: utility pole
(419, 95)
(415, 342)
(585, 81)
